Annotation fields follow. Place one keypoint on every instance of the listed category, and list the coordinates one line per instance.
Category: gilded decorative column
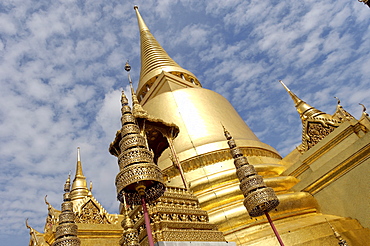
(66, 231)
(259, 199)
(139, 181)
(139, 176)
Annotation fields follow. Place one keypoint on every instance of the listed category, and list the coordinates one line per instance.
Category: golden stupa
(322, 185)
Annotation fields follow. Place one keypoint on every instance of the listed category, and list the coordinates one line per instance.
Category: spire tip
(78, 154)
(286, 87)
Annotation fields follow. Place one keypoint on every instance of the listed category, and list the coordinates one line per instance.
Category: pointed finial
(292, 95)
(67, 185)
(79, 165)
(286, 88)
(337, 100)
(66, 231)
(124, 100)
(142, 25)
(91, 186)
(226, 133)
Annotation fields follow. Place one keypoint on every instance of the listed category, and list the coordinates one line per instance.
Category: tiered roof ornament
(139, 181)
(66, 231)
(139, 176)
(259, 199)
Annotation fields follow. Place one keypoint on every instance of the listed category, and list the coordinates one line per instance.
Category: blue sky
(61, 73)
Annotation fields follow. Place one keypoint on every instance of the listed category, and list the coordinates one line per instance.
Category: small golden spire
(304, 109)
(67, 185)
(124, 100)
(79, 187)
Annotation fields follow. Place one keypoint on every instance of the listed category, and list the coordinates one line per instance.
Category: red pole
(274, 228)
(147, 222)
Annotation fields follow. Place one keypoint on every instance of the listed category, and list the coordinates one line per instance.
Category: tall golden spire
(154, 59)
(79, 186)
(304, 109)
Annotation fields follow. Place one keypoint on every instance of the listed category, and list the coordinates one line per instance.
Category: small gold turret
(66, 231)
(154, 60)
(79, 187)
